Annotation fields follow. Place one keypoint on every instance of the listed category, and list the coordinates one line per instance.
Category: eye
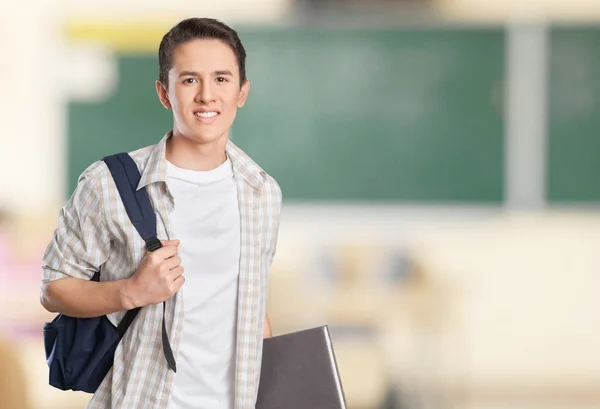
(190, 80)
(222, 79)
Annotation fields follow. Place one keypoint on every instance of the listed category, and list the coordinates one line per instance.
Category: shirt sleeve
(80, 244)
(274, 200)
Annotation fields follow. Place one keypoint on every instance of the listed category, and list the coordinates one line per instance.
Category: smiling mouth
(206, 117)
(210, 114)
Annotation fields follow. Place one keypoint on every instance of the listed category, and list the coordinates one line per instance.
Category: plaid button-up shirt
(94, 233)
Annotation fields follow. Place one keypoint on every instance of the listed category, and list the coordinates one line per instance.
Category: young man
(218, 213)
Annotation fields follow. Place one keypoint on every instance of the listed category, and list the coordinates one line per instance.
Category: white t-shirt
(206, 220)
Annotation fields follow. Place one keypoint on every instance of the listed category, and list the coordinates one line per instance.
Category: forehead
(204, 55)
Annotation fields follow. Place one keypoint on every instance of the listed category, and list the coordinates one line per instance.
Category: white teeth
(206, 114)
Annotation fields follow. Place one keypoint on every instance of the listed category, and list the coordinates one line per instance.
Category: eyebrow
(223, 72)
(195, 74)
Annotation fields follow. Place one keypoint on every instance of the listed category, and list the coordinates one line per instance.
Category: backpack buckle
(153, 244)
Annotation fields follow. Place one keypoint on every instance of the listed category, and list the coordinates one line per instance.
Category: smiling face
(203, 91)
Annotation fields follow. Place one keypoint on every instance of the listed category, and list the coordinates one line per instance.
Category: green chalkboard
(574, 115)
(340, 114)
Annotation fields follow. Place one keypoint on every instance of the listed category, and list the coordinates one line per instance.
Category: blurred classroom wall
(457, 265)
(558, 10)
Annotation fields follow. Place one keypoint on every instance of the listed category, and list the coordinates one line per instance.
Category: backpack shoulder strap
(141, 214)
(137, 203)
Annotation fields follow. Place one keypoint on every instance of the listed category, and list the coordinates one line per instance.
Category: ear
(243, 94)
(163, 95)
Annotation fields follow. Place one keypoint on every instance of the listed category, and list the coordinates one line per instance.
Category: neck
(188, 154)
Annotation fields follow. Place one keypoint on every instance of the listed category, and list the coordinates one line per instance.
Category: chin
(208, 137)
(201, 133)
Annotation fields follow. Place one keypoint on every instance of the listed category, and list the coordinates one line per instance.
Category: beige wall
(31, 111)
(229, 10)
(584, 10)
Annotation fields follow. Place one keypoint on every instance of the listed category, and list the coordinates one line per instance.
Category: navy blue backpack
(80, 351)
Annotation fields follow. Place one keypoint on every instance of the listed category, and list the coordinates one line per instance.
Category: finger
(175, 273)
(167, 243)
(179, 281)
(166, 252)
(173, 262)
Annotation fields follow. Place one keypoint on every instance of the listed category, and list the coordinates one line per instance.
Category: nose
(205, 93)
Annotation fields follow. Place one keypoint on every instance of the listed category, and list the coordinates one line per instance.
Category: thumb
(166, 243)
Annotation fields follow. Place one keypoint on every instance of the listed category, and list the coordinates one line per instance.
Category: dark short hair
(198, 28)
